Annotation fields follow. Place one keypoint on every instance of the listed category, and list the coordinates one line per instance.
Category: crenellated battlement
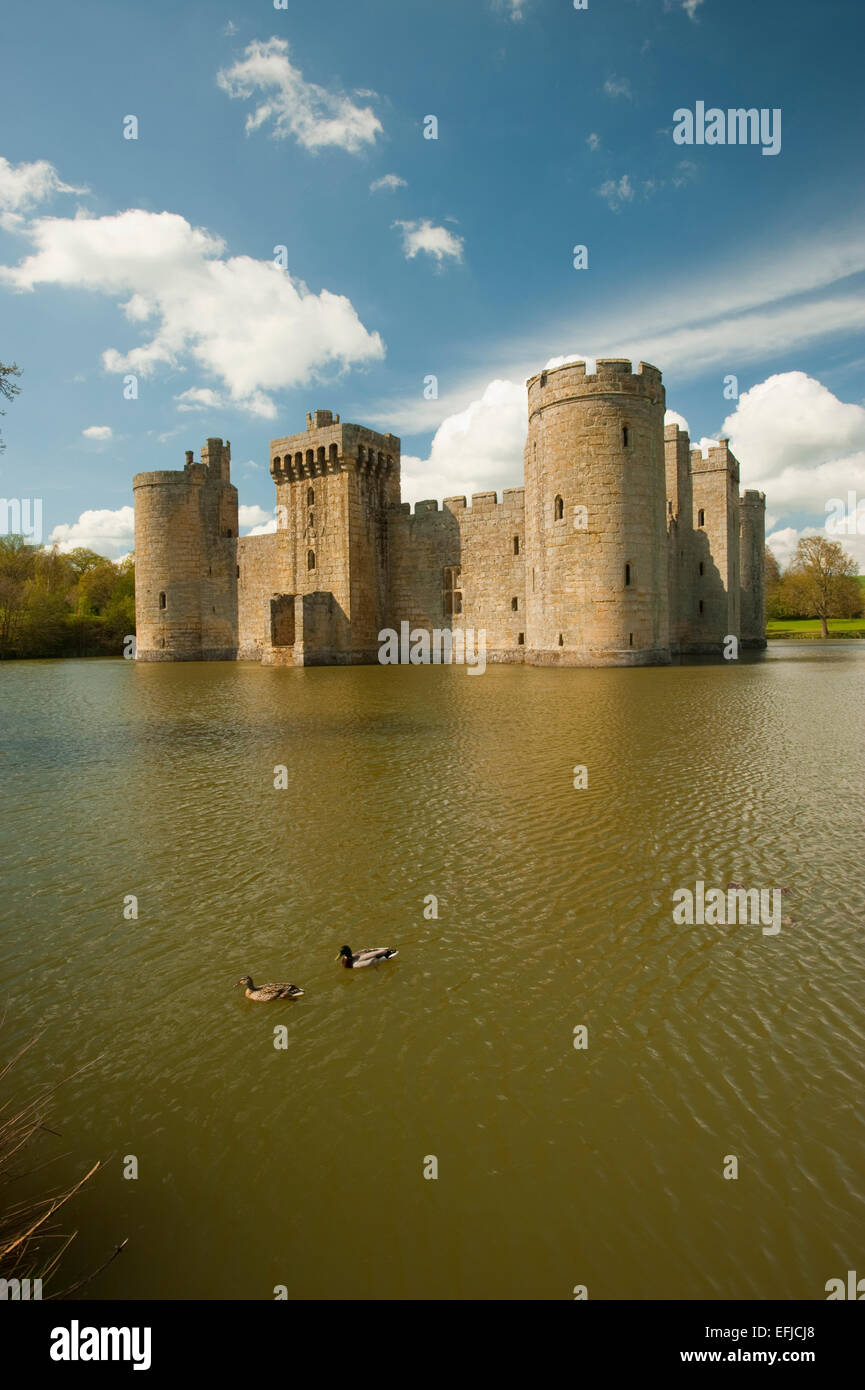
(613, 376)
(482, 504)
(327, 447)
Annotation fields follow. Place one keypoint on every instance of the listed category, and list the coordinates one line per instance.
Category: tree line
(53, 604)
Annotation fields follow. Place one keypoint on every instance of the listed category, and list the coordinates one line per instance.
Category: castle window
(312, 519)
(452, 598)
(521, 638)
(334, 456)
(627, 576)
(515, 605)
(701, 566)
(701, 517)
(310, 559)
(238, 571)
(630, 639)
(559, 509)
(561, 640)
(516, 545)
(625, 436)
(543, 378)
(310, 496)
(161, 600)
(701, 605)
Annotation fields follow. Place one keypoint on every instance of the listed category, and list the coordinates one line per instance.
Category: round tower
(596, 537)
(185, 560)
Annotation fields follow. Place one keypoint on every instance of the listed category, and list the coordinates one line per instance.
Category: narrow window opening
(627, 576)
(515, 605)
(561, 640)
(521, 639)
(452, 599)
(161, 600)
(630, 639)
(701, 605)
(559, 509)
(310, 559)
(310, 496)
(701, 517)
(701, 566)
(625, 436)
(311, 519)
(516, 545)
(238, 571)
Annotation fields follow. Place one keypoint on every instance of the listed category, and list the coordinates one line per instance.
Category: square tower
(334, 486)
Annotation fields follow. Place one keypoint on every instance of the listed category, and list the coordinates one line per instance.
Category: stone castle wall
(625, 547)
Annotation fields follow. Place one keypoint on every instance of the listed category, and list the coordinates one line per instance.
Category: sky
(214, 218)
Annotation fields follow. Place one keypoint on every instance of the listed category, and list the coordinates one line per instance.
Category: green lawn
(807, 628)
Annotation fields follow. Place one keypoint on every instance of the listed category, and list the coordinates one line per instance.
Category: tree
(8, 389)
(823, 578)
(773, 585)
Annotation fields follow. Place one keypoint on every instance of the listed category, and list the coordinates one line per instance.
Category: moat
(557, 1166)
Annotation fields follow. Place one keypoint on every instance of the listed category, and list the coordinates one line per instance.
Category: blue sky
(261, 128)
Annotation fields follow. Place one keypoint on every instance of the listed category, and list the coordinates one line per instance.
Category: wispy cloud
(390, 182)
(24, 186)
(616, 193)
(618, 87)
(294, 108)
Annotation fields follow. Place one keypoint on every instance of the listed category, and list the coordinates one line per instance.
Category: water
(556, 1167)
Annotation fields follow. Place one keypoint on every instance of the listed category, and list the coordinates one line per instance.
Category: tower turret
(185, 560)
(596, 545)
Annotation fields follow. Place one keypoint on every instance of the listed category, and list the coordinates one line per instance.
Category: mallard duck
(362, 958)
(262, 994)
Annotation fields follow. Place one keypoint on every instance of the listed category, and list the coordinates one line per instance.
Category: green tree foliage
(8, 389)
(52, 604)
(773, 586)
(821, 581)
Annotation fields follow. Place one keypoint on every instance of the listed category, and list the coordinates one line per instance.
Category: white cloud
(23, 186)
(297, 109)
(672, 417)
(200, 398)
(618, 87)
(475, 450)
(109, 533)
(593, 141)
(245, 321)
(437, 242)
(791, 422)
(803, 447)
(616, 194)
(230, 29)
(388, 181)
(254, 520)
(690, 7)
(97, 432)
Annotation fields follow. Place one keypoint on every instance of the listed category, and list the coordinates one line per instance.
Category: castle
(625, 547)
